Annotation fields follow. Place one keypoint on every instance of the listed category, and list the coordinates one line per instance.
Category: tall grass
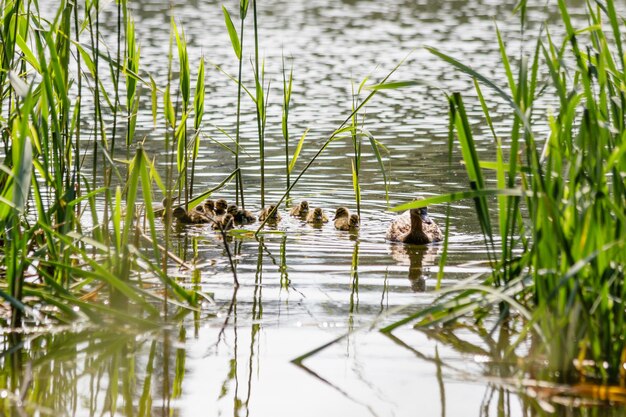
(73, 240)
(560, 200)
(237, 43)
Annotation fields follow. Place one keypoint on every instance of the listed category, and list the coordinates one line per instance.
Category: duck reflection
(419, 258)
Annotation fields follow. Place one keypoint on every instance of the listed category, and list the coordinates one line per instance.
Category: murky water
(305, 287)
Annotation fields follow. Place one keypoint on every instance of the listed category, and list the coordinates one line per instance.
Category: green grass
(50, 254)
(559, 213)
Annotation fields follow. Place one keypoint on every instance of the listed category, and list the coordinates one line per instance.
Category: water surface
(304, 287)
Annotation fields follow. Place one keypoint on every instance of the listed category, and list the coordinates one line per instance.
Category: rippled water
(305, 287)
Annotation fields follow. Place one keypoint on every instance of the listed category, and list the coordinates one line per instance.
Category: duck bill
(425, 218)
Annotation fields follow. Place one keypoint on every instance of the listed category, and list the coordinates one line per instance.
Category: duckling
(353, 223)
(191, 217)
(244, 217)
(417, 229)
(220, 207)
(200, 208)
(266, 213)
(225, 223)
(166, 205)
(342, 218)
(317, 216)
(232, 209)
(209, 207)
(301, 210)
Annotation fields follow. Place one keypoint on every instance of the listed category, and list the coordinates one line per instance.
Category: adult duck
(414, 227)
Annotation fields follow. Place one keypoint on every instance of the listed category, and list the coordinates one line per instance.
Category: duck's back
(433, 231)
(399, 227)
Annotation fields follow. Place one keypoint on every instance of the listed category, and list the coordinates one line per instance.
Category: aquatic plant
(73, 241)
(290, 161)
(557, 252)
(238, 49)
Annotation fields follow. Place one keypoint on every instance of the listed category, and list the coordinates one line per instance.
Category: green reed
(238, 49)
(50, 253)
(290, 161)
(559, 216)
(259, 100)
(287, 87)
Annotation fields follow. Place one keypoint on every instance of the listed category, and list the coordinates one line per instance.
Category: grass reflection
(109, 370)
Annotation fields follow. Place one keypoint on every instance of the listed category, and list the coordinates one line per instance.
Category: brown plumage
(317, 216)
(342, 218)
(416, 228)
(300, 210)
(244, 217)
(220, 207)
(240, 216)
(209, 207)
(225, 223)
(191, 217)
(266, 213)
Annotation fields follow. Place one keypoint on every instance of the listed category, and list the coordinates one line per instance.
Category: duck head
(232, 209)
(421, 214)
(318, 214)
(304, 206)
(167, 202)
(179, 213)
(221, 205)
(272, 213)
(342, 212)
(209, 204)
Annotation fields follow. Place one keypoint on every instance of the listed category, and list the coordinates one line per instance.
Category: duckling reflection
(419, 259)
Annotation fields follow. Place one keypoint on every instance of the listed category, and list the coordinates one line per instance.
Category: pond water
(304, 288)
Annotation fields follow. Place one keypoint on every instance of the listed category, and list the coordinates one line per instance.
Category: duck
(232, 209)
(225, 223)
(208, 207)
(300, 210)
(192, 217)
(244, 217)
(317, 216)
(221, 206)
(240, 216)
(342, 218)
(166, 205)
(354, 222)
(416, 228)
(266, 214)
